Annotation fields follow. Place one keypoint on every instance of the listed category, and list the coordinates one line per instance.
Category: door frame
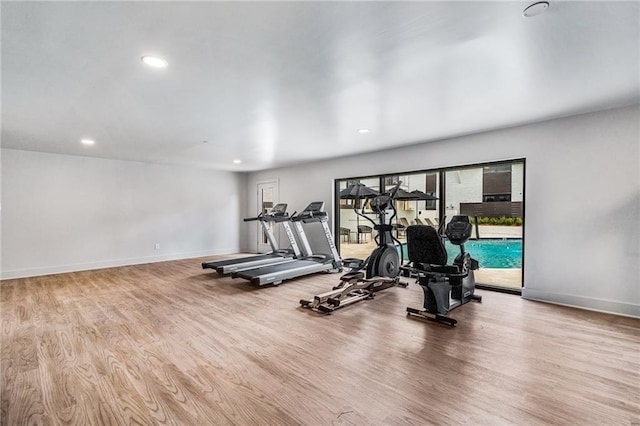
(274, 184)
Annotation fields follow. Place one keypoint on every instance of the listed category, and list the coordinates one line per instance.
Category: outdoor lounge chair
(345, 232)
(364, 229)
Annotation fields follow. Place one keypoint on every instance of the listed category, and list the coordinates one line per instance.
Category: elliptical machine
(445, 287)
(382, 267)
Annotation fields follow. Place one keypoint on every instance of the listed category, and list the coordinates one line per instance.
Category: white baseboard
(61, 269)
(599, 305)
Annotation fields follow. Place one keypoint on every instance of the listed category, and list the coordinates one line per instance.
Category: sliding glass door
(491, 194)
(356, 233)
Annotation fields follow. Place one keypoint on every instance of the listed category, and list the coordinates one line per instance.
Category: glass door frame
(442, 204)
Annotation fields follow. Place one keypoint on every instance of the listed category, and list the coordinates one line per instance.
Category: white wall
(582, 195)
(462, 186)
(65, 213)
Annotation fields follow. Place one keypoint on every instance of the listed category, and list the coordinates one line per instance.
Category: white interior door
(267, 198)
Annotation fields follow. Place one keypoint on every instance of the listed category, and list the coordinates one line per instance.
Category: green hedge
(500, 221)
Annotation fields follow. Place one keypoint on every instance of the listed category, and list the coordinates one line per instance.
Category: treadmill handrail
(252, 219)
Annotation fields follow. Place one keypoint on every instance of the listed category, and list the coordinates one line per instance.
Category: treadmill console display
(315, 207)
(279, 210)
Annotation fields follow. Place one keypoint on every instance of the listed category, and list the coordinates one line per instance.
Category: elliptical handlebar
(379, 203)
(392, 195)
(394, 190)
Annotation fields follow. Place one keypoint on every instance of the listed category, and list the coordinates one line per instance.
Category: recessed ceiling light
(363, 131)
(155, 62)
(535, 9)
(237, 161)
(87, 141)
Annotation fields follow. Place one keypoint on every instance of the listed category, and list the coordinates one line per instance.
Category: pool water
(490, 253)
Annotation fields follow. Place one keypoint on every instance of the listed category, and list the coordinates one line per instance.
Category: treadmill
(310, 263)
(278, 214)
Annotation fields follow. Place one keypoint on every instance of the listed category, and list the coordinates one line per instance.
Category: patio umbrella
(419, 195)
(403, 195)
(357, 191)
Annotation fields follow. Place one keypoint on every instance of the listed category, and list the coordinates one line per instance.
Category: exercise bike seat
(425, 247)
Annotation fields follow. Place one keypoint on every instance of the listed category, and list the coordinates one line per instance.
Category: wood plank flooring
(170, 343)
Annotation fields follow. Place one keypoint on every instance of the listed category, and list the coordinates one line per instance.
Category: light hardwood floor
(170, 343)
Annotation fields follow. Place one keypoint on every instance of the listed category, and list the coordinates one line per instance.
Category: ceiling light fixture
(87, 141)
(535, 9)
(236, 161)
(363, 131)
(154, 61)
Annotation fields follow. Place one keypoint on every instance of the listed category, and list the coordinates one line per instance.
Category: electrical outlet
(157, 246)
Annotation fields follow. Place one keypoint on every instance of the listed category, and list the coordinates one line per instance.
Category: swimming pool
(490, 253)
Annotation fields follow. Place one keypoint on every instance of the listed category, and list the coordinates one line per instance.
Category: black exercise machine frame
(382, 266)
(445, 287)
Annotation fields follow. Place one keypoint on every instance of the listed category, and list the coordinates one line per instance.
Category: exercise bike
(445, 287)
(381, 268)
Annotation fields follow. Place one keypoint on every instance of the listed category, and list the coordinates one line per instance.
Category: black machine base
(445, 287)
(443, 319)
(353, 287)
(381, 268)
(432, 317)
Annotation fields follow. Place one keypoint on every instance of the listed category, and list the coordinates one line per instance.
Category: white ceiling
(276, 83)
